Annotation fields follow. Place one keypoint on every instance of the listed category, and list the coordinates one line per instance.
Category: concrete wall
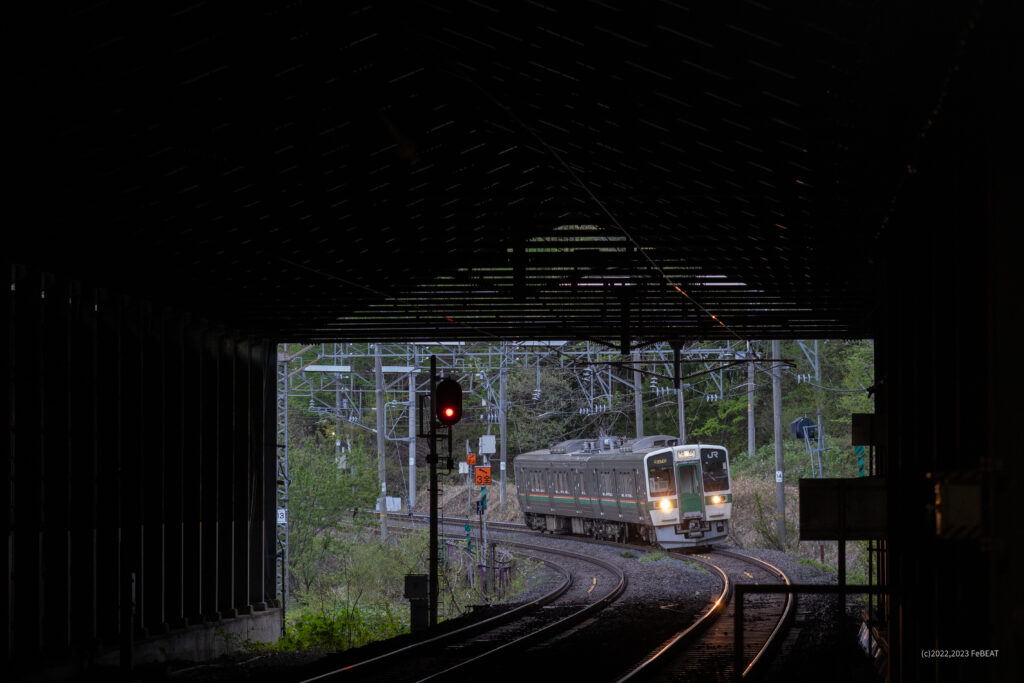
(142, 473)
(203, 641)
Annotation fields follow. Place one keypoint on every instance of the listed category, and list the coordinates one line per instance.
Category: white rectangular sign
(282, 515)
(778, 476)
(463, 468)
(486, 444)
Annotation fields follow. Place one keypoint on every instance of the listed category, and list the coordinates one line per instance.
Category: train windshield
(715, 465)
(660, 477)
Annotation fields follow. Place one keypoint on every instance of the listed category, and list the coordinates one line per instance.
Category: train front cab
(690, 499)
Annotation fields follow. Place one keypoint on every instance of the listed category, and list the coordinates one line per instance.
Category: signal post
(446, 408)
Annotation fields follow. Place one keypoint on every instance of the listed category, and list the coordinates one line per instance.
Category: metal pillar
(638, 401)
(283, 480)
(411, 503)
(432, 462)
(676, 378)
(751, 436)
(780, 490)
(381, 471)
(502, 421)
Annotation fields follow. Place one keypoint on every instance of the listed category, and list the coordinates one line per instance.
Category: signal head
(448, 401)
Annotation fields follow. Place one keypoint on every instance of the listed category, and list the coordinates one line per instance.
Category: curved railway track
(457, 654)
(705, 650)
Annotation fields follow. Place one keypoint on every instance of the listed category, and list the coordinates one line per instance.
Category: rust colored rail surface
(705, 650)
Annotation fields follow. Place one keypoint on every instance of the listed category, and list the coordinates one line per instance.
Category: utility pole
(780, 490)
(638, 401)
(382, 501)
(677, 378)
(817, 391)
(411, 503)
(432, 462)
(751, 441)
(502, 420)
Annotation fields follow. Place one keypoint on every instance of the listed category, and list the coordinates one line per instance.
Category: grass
(696, 566)
(654, 556)
(815, 563)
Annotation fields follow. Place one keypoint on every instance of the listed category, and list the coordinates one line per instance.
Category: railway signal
(448, 401)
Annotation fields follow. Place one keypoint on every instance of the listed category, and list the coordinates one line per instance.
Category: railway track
(705, 650)
(458, 654)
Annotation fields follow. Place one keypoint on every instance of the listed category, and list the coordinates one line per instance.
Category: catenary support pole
(780, 490)
(382, 509)
(751, 436)
(677, 379)
(411, 503)
(638, 400)
(502, 420)
(432, 462)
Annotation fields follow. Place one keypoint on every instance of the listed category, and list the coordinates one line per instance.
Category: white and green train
(652, 489)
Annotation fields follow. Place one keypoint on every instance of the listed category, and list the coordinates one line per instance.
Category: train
(651, 490)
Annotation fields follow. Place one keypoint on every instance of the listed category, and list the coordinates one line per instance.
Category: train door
(593, 488)
(627, 494)
(638, 497)
(578, 491)
(688, 483)
(609, 501)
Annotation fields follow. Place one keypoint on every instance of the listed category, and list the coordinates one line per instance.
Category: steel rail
(787, 614)
(470, 629)
(559, 626)
(690, 634)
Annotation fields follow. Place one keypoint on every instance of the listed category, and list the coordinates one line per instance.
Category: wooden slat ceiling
(478, 169)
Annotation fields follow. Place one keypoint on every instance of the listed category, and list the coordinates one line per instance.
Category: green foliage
(322, 497)
(836, 462)
(342, 629)
(628, 554)
(654, 556)
(814, 563)
(697, 567)
(765, 527)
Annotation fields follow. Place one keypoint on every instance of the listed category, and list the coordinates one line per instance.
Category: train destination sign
(483, 476)
(659, 460)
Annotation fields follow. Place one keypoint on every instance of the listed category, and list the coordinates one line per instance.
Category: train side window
(625, 484)
(605, 485)
(582, 481)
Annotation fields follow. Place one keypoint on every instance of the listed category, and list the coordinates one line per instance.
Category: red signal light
(448, 400)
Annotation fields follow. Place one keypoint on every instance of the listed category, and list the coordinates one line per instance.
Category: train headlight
(716, 499)
(665, 505)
